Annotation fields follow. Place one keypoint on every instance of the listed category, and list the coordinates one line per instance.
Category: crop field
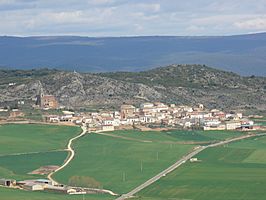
(11, 194)
(236, 171)
(24, 148)
(25, 138)
(179, 135)
(19, 166)
(122, 160)
(120, 164)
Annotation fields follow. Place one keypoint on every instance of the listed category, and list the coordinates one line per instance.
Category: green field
(18, 166)
(24, 138)
(178, 135)
(12, 194)
(236, 172)
(24, 148)
(42, 142)
(116, 162)
(122, 160)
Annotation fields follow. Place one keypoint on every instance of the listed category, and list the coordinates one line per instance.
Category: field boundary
(125, 138)
(27, 153)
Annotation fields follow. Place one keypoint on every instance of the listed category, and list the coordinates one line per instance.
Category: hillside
(180, 84)
(243, 54)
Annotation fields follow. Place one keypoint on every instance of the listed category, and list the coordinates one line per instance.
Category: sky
(97, 18)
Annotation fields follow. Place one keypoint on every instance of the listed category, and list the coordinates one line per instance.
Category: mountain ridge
(243, 54)
(180, 84)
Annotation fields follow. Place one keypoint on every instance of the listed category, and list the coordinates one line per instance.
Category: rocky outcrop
(180, 84)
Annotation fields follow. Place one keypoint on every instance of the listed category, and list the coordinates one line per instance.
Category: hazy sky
(131, 17)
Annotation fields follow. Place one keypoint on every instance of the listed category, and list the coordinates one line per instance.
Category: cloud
(127, 17)
(154, 7)
(254, 24)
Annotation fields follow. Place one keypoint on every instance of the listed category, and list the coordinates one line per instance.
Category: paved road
(71, 156)
(180, 162)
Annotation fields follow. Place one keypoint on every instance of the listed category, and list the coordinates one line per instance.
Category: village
(150, 116)
(146, 116)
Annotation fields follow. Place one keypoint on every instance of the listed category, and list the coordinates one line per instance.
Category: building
(211, 122)
(111, 121)
(44, 181)
(33, 186)
(219, 127)
(159, 107)
(52, 119)
(3, 110)
(106, 128)
(7, 182)
(60, 189)
(247, 124)
(232, 125)
(47, 101)
(127, 111)
(147, 109)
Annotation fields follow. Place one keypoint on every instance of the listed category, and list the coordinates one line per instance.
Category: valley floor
(122, 160)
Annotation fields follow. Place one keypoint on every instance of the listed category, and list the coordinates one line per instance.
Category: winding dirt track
(71, 156)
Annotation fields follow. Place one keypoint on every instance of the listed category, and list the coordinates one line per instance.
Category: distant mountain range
(243, 54)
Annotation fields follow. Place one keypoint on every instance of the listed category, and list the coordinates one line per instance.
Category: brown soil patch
(45, 170)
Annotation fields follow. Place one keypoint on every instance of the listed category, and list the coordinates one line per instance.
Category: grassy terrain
(178, 135)
(18, 166)
(34, 138)
(116, 163)
(120, 164)
(10, 194)
(236, 172)
(26, 138)
(26, 147)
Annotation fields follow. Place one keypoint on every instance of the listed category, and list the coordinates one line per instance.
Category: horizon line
(128, 36)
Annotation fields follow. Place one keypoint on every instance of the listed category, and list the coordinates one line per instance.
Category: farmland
(25, 138)
(236, 171)
(18, 166)
(24, 148)
(122, 160)
(173, 136)
(11, 194)
(120, 164)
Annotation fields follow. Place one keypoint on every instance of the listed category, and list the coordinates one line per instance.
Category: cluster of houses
(157, 115)
(147, 114)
